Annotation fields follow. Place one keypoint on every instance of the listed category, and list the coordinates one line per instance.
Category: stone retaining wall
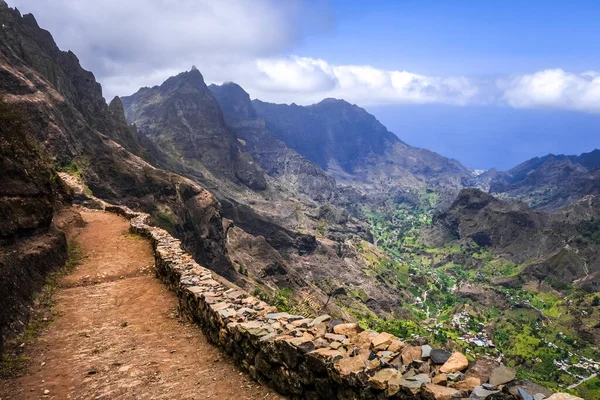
(317, 358)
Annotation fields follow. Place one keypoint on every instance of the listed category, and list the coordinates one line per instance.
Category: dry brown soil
(117, 334)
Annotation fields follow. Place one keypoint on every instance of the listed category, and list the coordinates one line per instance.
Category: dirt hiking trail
(117, 334)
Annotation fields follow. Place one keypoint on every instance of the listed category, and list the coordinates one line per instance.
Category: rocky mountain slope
(549, 182)
(273, 156)
(560, 248)
(31, 246)
(356, 149)
(76, 130)
(183, 120)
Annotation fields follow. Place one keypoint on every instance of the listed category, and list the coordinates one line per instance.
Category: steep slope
(275, 158)
(356, 149)
(549, 182)
(31, 246)
(70, 121)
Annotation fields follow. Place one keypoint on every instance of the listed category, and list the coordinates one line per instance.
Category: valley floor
(117, 335)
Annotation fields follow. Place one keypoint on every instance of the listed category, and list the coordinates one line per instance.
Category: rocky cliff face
(549, 182)
(274, 157)
(183, 119)
(69, 120)
(30, 244)
(355, 148)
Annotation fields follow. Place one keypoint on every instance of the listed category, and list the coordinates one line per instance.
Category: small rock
(363, 339)
(326, 354)
(335, 338)
(524, 395)
(481, 393)
(302, 323)
(335, 345)
(502, 396)
(440, 379)
(414, 382)
(410, 354)
(467, 384)
(501, 375)
(382, 341)
(530, 387)
(456, 376)
(349, 365)
(426, 351)
(332, 324)
(456, 362)
(396, 346)
(350, 330)
(46, 392)
(380, 380)
(482, 368)
(320, 319)
(437, 392)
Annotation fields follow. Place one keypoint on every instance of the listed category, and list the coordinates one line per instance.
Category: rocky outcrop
(310, 358)
(184, 120)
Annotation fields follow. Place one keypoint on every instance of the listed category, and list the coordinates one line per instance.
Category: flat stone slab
(501, 375)
(439, 356)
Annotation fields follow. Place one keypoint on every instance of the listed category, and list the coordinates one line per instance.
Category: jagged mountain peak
(235, 102)
(191, 79)
(334, 101)
(115, 104)
(184, 121)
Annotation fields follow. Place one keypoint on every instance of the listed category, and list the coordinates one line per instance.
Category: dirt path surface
(117, 335)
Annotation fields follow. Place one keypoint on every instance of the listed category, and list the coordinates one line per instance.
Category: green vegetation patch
(166, 220)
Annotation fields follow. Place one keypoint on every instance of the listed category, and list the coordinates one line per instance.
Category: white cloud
(307, 80)
(134, 43)
(122, 41)
(554, 88)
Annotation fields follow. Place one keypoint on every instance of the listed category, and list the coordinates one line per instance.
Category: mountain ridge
(548, 182)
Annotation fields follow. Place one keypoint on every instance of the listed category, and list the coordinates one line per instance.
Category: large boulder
(457, 362)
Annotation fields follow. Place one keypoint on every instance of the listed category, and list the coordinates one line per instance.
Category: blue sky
(490, 83)
(485, 137)
(460, 37)
(485, 39)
